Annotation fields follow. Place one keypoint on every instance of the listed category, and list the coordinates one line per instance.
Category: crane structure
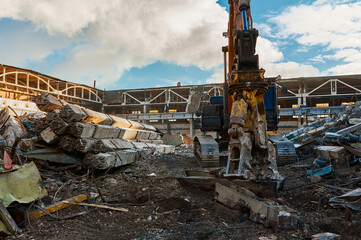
(251, 154)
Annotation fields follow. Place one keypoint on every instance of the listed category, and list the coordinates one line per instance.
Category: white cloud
(111, 36)
(336, 25)
(105, 38)
(217, 76)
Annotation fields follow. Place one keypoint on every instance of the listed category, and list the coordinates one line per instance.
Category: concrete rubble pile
(68, 136)
(99, 140)
(335, 142)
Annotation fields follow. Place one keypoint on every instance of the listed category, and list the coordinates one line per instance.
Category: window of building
(172, 110)
(172, 120)
(294, 105)
(153, 120)
(347, 103)
(153, 111)
(322, 105)
(136, 112)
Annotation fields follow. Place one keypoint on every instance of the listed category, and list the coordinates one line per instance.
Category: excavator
(240, 117)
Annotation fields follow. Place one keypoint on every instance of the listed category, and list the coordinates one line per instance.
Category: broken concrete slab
(262, 211)
(172, 139)
(72, 113)
(22, 185)
(49, 136)
(103, 131)
(59, 126)
(82, 130)
(106, 160)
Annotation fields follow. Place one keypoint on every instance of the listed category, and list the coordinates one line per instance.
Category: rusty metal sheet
(51, 155)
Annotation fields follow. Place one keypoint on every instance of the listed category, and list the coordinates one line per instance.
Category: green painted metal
(22, 185)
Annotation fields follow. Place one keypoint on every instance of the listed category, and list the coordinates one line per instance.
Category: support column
(191, 129)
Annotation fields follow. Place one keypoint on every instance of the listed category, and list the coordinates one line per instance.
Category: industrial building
(173, 109)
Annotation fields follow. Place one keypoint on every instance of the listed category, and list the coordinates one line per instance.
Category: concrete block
(49, 136)
(67, 143)
(28, 144)
(331, 152)
(165, 149)
(148, 127)
(263, 211)
(84, 145)
(104, 161)
(172, 139)
(52, 114)
(153, 142)
(120, 122)
(128, 134)
(122, 144)
(142, 135)
(140, 145)
(103, 131)
(47, 102)
(136, 125)
(72, 113)
(59, 126)
(96, 117)
(153, 135)
(82, 130)
(109, 145)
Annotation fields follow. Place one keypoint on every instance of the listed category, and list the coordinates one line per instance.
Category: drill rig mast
(251, 154)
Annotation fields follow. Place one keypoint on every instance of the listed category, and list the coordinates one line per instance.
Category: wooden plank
(100, 206)
(57, 206)
(8, 221)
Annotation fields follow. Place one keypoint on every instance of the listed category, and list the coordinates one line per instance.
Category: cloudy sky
(150, 43)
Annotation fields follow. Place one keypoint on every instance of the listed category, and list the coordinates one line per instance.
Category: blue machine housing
(213, 118)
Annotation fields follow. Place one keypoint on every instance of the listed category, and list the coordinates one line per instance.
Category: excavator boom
(251, 154)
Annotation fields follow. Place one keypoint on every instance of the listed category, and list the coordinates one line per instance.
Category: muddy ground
(159, 208)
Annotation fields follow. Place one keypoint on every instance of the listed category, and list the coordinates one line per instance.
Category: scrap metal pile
(334, 141)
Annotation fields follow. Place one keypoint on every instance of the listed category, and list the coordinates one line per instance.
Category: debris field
(70, 172)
